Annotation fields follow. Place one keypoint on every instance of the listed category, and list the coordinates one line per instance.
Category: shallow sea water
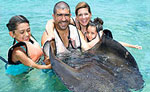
(129, 21)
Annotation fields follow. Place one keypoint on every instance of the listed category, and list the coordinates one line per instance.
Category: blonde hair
(82, 5)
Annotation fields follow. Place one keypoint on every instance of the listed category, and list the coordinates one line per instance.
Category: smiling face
(83, 16)
(62, 18)
(91, 33)
(22, 33)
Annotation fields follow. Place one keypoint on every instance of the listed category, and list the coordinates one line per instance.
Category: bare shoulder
(18, 53)
(44, 38)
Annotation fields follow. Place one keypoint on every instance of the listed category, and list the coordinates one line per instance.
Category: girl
(25, 52)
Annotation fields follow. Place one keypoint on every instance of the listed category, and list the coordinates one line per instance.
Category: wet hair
(82, 5)
(98, 23)
(15, 21)
(61, 5)
(99, 20)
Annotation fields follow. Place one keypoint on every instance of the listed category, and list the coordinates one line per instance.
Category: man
(66, 35)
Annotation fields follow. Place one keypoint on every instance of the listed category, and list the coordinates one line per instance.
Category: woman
(25, 52)
(83, 16)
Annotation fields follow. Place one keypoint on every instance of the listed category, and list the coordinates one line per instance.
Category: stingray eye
(126, 55)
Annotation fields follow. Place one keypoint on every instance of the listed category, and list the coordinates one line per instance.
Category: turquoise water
(129, 21)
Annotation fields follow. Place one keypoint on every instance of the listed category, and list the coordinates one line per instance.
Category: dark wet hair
(98, 23)
(99, 20)
(61, 5)
(15, 21)
(82, 5)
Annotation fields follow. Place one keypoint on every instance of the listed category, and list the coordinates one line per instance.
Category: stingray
(107, 67)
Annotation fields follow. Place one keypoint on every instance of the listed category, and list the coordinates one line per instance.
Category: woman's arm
(50, 29)
(24, 59)
(44, 38)
(130, 45)
(74, 22)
